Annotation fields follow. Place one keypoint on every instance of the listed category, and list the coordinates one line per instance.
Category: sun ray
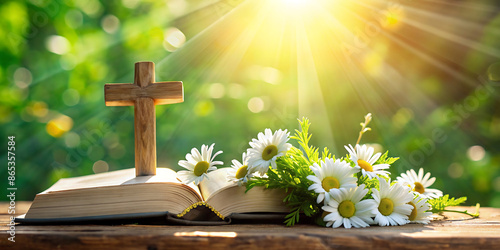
(428, 24)
(310, 99)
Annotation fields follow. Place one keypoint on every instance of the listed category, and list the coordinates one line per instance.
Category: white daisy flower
(198, 165)
(419, 212)
(392, 202)
(330, 177)
(364, 159)
(267, 148)
(346, 208)
(419, 183)
(239, 170)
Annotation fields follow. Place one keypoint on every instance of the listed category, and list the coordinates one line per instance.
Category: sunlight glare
(173, 39)
(392, 17)
(295, 7)
(206, 234)
(295, 3)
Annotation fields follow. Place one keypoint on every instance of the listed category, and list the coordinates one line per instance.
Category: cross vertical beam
(145, 122)
(144, 94)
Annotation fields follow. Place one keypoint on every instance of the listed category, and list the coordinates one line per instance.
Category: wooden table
(457, 231)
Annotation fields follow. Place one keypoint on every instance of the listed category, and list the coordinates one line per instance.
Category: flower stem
(359, 137)
(476, 215)
(364, 127)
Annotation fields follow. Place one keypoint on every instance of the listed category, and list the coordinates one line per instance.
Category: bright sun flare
(295, 2)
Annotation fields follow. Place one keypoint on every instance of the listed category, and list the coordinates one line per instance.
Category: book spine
(200, 203)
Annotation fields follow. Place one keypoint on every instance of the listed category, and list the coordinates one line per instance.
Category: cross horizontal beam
(125, 94)
(144, 94)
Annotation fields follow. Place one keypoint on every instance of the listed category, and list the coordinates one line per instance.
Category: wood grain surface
(145, 136)
(456, 231)
(144, 94)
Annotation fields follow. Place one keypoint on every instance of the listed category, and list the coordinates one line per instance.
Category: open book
(121, 195)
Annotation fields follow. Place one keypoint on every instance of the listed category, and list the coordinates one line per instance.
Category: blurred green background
(420, 67)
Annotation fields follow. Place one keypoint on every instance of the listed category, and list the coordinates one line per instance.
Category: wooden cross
(144, 94)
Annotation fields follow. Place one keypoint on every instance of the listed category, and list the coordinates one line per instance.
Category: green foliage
(384, 159)
(303, 137)
(439, 205)
(291, 175)
(369, 184)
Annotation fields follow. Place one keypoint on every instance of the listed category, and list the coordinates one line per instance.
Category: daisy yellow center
(419, 188)
(269, 152)
(347, 209)
(386, 206)
(413, 214)
(201, 168)
(329, 183)
(365, 165)
(241, 172)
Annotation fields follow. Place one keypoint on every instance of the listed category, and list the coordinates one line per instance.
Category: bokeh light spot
(59, 126)
(38, 109)
(110, 24)
(392, 17)
(72, 140)
(57, 44)
(173, 39)
(256, 104)
(100, 167)
(216, 90)
(71, 97)
(91, 7)
(476, 153)
(22, 77)
(271, 75)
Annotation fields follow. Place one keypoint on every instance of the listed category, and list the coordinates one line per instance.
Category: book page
(117, 178)
(216, 181)
(235, 199)
(114, 193)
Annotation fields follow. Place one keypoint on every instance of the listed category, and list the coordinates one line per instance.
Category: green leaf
(384, 159)
(439, 205)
